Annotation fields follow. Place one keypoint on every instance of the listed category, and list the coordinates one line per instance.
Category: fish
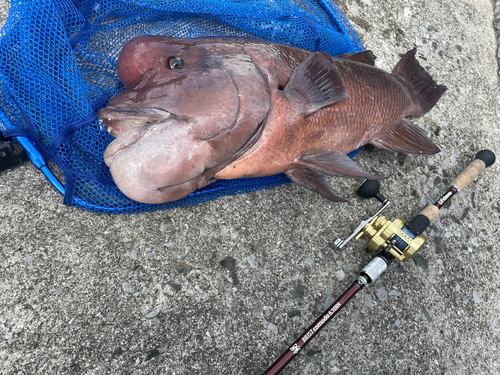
(195, 110)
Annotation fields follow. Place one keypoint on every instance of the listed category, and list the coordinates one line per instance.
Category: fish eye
(175, 62)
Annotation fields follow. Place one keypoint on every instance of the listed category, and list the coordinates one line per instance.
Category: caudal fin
(427, 92)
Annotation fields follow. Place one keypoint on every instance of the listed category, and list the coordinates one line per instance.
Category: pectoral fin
(333, 163)
(316, 83)
(407, 137)
(314, 181)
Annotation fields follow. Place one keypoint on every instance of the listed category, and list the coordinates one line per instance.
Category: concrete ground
(224, 287)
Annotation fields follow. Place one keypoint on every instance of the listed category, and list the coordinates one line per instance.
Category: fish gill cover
(58, 67)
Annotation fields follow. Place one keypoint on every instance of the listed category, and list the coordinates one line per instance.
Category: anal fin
(333, 163)
(407, 137)
(314, 181)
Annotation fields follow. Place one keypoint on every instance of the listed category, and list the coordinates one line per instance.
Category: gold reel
(382, 233)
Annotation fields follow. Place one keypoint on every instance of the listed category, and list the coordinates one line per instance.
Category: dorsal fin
(318, 82)
(365, 57)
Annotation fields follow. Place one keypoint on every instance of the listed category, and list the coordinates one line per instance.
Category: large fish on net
(197, 110)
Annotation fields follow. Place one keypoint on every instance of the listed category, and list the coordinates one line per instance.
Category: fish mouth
(118, 120)
(124, 140)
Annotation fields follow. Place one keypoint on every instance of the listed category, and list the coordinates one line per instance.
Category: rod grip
(483, 159)
(469, 174)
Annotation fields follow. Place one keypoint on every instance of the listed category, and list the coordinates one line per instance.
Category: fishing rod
(398, 239)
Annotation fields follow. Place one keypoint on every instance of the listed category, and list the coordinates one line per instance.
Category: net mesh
(58, 67)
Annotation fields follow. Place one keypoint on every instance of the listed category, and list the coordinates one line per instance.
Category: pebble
(476, 297)
(368, 301)
(355, 315)
(308, 261)
(127, 288)
(421, 261)
(298, 291)
(381, 294)
(426, 314)
(42, 362)
(272, 328)
(440, 245)
(329, 301)
(11, 340)
(340, 274)
(251, 261)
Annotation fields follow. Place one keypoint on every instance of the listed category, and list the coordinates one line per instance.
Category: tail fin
(426, 90)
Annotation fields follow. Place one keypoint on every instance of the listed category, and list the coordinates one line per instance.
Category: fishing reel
(404, 239)
(401, 239)
(394, 236)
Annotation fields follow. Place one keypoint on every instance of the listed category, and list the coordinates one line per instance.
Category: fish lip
(134, 135)
(118, 120)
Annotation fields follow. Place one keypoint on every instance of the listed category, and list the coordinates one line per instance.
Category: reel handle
(483, 159)
(371, 189)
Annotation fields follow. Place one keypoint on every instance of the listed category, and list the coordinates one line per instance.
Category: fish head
(182, 114)
(163, 77)
(148, 173)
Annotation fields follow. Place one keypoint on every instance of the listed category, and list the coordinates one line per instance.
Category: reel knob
(370, 189)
